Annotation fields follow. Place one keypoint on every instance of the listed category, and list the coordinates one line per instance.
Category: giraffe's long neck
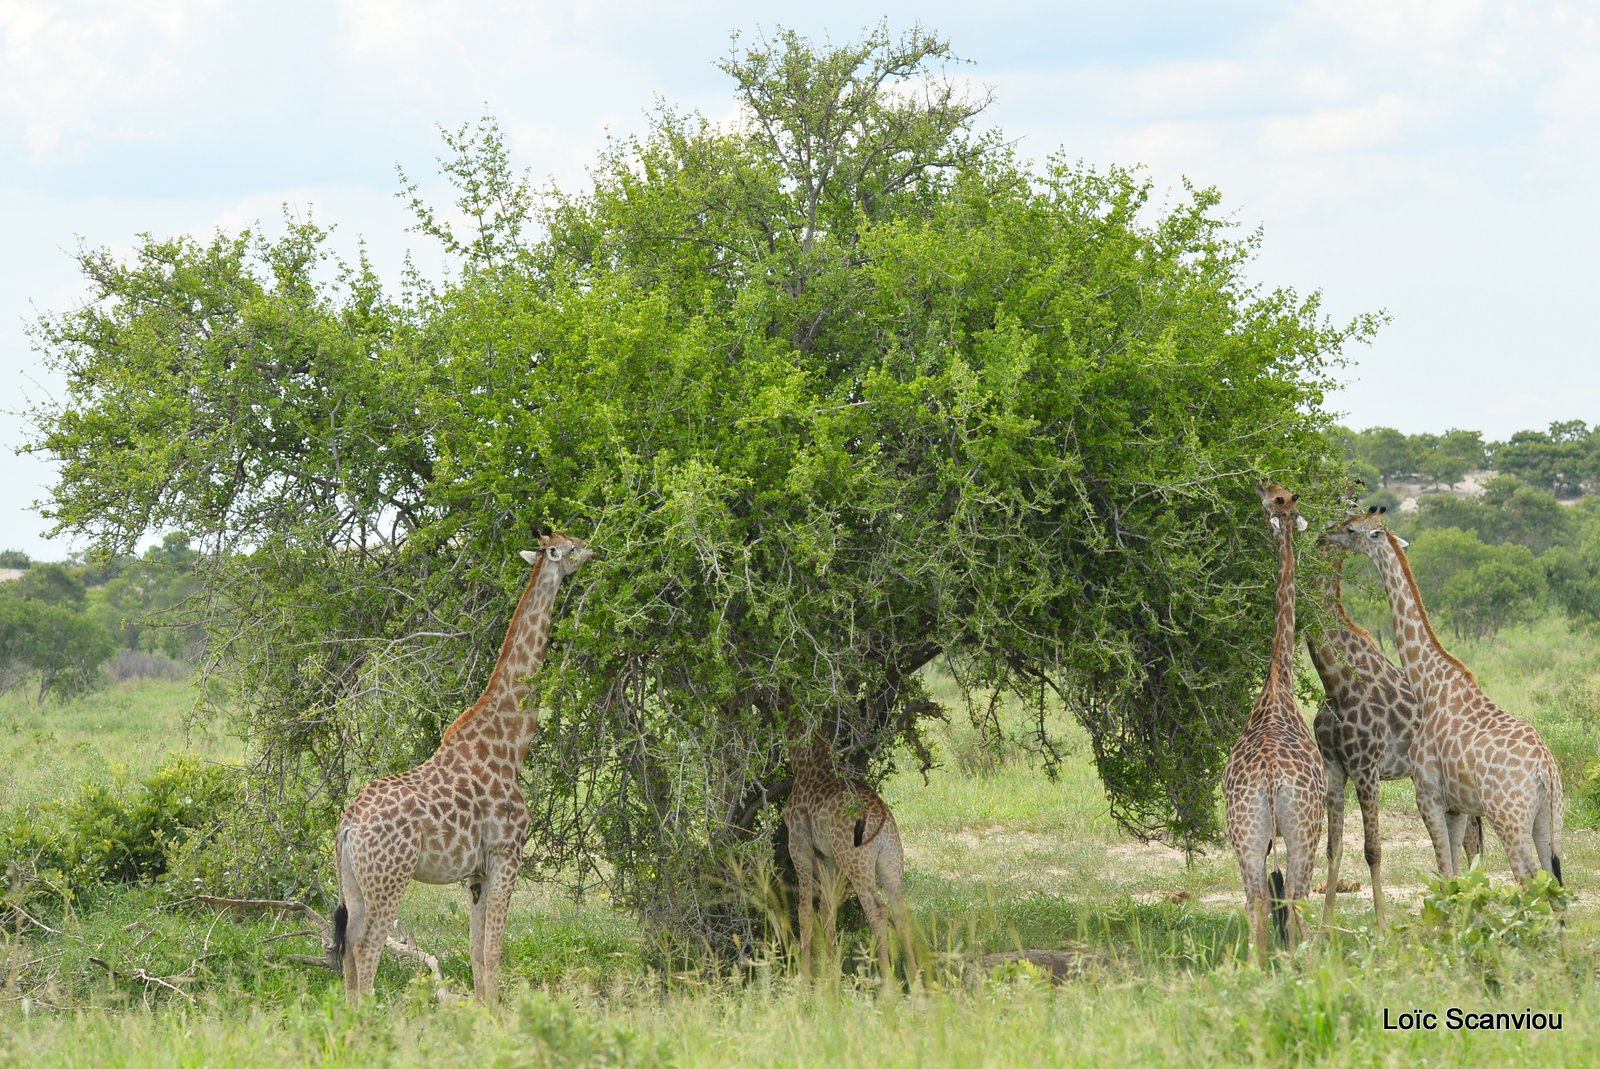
(1281, 672)
(1420, 652)
(1333, 606)
(499, 711)
(813, 765)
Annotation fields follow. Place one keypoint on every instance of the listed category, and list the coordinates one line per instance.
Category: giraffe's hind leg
(1516, 832)
(371, 900)
(891, 877)
(1335, 803)
(1257, 901)
(860, 872)
(1300, 823)
(801, 854)
(1367, 788)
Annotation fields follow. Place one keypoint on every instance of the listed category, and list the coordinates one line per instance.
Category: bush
(143, 664)
(1467, 921)
(123, 833)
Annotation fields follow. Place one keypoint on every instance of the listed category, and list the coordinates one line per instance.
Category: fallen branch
(404, 946)
(144, 977)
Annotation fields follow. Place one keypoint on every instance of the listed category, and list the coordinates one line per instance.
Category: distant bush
(64, 647)
(145, 664)
(121, 833)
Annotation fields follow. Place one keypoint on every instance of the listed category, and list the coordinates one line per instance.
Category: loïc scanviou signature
(1455, 1019)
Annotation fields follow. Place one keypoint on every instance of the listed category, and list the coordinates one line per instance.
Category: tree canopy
(840, 390)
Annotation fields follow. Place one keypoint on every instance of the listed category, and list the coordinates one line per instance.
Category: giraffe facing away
(1470, 757)
(460, 815)
(841, 832)
(1364, 729)
(1274, 783)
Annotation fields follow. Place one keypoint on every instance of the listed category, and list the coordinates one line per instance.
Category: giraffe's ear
(1401, 542)
(1277, 524)
(1300, 523)
(530, 556)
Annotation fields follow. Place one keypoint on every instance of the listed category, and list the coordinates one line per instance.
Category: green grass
(998, 857)
(47, 750)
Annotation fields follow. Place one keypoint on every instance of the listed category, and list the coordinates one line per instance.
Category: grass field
(997, 858)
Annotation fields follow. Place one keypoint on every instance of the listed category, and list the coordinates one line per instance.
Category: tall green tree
(66, 650)
(1394, 454)
(840, 391)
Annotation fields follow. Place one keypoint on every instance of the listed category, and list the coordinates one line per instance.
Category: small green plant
(1467, 920)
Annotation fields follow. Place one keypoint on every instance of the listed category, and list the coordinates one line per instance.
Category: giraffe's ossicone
(460, 815)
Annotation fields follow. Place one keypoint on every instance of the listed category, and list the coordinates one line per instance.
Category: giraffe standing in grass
(840, 831)
(1470, 757)
(460, 815)
(1274, 783)
(1364, 729)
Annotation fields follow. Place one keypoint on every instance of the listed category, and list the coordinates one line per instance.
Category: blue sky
(1432, 158)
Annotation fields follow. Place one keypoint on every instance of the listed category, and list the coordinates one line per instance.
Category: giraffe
(1469, 757)
(1364, 729)
(841, 831)
(460, 815)
(1274, 783)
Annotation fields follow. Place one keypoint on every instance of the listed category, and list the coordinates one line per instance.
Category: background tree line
(1563, 460)
(1529, 543)
(69, 627)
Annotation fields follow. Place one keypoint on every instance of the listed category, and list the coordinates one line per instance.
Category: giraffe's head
(1282, 507)
(561, 551)
(1364, 532)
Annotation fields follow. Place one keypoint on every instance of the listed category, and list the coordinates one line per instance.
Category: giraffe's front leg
(1372, 841)
(499, 881)
(1335, 806)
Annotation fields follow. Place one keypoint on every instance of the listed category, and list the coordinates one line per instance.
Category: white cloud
(77, 72)
(1381, 122)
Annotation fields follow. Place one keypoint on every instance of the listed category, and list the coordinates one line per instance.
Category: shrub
(144, 664)
(1470, 922)
(118, 833)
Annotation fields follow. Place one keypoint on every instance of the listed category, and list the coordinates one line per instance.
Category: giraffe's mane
(1422, 610)
(476, 707)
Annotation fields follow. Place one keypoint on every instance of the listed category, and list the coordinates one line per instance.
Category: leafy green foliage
(147, 602)
(1469, 921)
(838, 391)
(1479, 588)
(1561, 460)
(125, 832)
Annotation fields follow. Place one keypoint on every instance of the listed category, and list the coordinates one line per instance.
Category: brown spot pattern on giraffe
(822, 816)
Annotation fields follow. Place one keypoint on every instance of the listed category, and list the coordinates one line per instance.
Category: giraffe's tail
(341, 923)
(1557, 801)
(1280, 908)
